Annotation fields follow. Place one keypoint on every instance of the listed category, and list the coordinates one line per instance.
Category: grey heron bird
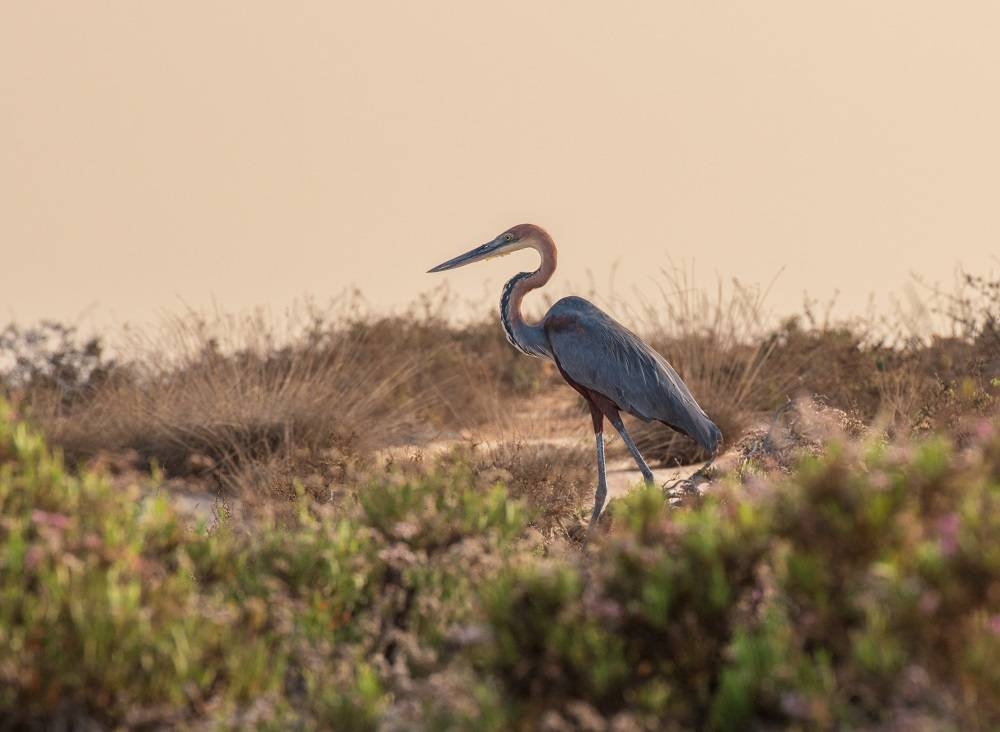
(609, 365)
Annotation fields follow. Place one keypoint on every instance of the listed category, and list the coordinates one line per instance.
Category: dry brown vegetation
(254, 407)
(251, 404)
(719, 341)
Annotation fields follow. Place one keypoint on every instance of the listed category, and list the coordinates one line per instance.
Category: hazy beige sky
(157, 154)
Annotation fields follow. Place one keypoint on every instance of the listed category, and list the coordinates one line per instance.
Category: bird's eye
(508, 237)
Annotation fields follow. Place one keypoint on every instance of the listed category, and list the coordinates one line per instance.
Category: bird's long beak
(478, 254)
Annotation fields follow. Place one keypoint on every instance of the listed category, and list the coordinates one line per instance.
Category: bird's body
(596, 352)
(611, 367)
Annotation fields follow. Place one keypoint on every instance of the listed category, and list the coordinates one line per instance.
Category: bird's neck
(529, 338)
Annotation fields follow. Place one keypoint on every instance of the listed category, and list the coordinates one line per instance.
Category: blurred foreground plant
(112, 612)
(862, 590)
(859, 590)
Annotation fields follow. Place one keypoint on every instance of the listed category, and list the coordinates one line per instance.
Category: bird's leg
(602, 484)
(647, 474)
(602, 478)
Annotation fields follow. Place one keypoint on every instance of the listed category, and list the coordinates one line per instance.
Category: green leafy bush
(862, 590)
(112, 611)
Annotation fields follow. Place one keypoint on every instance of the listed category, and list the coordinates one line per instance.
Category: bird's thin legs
(647, 474)
(602, 484)
(602, 476)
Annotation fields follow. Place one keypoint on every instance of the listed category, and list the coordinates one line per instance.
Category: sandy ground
(623, 474)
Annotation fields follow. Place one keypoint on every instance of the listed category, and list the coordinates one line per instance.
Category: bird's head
(513, 239)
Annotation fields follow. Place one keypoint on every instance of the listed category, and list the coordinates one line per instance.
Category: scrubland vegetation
(367, 565)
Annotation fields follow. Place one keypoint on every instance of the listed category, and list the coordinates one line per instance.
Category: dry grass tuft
(880, 370)
(461, 372)
(211, 396)
(554, 481)
(717, 341)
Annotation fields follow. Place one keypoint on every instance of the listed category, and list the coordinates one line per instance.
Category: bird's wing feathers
(599, 353)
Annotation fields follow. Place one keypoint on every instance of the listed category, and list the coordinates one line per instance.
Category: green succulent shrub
(113, 611)
(861, 591)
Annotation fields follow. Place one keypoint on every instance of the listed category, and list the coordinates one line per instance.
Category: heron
(612, 368)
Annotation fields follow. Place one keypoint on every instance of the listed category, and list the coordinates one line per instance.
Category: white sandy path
(623, 474)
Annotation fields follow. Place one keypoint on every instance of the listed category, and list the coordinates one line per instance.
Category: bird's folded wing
(599, 353)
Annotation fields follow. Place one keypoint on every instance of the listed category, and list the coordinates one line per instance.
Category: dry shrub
(461, 370)
(717, 343)
(259, 406)
(958, 350)
(911, 374)
(53, 357)
(928, 367)
(914, 387)
(939, 386)
(211, 395)
(800, 428)
(843, 360)
(554, 481)
(970, 312)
